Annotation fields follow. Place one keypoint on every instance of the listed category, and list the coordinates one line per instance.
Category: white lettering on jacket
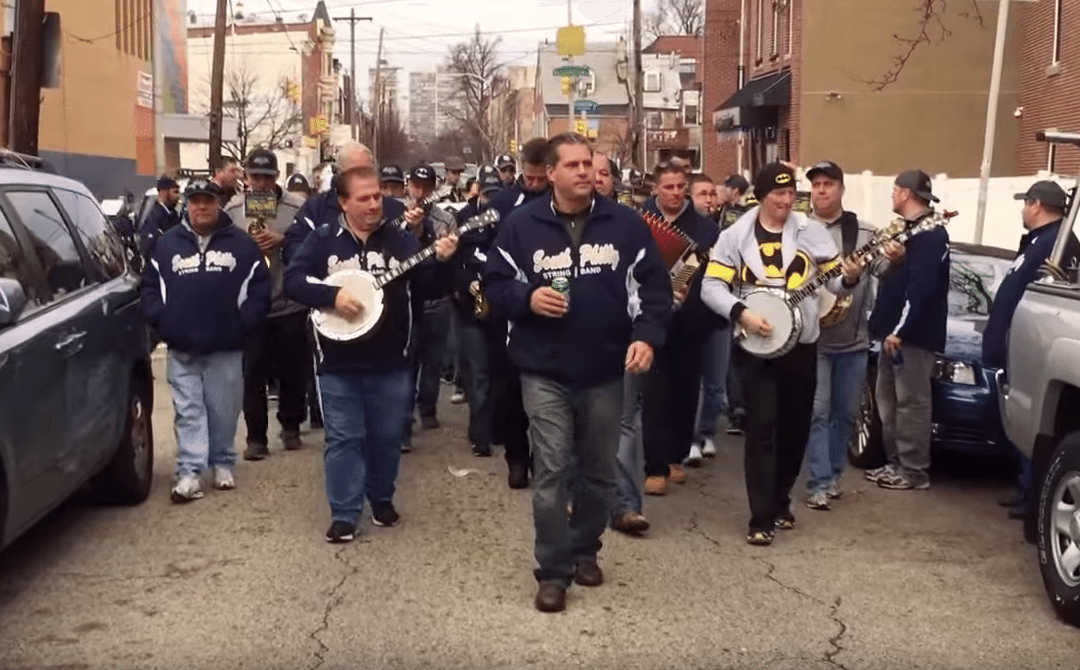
(376, 263)
(185, 265)
(599, 254)
(216, 261)
(560, 261)
(335, 264)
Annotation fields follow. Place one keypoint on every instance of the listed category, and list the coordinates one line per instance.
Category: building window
(133, 21)
(1055, 57)
(761, 30)
(776, 28)
(654, 82)
(654, 120)
(687, 66)
(690, 115)
(790, 25)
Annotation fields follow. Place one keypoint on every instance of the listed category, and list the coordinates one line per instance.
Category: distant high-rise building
(388, 81)
(433, 97)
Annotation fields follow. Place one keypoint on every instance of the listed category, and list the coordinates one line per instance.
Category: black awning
(773, 90)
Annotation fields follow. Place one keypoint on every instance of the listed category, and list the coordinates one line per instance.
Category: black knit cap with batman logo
(772, 177)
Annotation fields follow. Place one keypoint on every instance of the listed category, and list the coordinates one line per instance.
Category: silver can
(561, 285)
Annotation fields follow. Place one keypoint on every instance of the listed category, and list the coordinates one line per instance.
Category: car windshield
(974, 277)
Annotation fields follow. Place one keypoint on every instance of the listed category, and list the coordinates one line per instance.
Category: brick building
(719, 80)
(1049, 84)
(809, 91)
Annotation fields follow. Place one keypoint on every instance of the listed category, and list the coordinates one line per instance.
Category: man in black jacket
(910, 316)
(162, 217)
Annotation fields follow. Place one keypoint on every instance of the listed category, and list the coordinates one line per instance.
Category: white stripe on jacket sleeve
(242, 298)
(161, 280)
(633, 286)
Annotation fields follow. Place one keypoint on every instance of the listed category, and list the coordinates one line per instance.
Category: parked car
(966, 416)
(75, 378)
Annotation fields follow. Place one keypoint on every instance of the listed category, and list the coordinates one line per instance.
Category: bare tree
(479, 76)
(674, 17)
(265, 117)
(932, 28)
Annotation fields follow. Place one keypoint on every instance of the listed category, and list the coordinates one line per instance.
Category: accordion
(681, 255)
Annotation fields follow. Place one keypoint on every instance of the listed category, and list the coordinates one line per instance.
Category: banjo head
(786, 323)
(332, 325)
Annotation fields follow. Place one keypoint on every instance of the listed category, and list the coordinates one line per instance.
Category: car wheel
(865, 450)
(126, 479)
(1058, 538)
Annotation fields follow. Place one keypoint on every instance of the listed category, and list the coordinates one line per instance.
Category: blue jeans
(631, 457)
(207, 392)
(363, 413)
(837, 402)
(715, 356)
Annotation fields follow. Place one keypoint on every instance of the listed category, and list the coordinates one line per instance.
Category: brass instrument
(481, 307)
(257, 227)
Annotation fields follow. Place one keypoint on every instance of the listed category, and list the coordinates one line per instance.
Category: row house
(672, 92)
(803, 80)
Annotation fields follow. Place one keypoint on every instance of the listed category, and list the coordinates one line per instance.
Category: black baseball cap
(390, 174)
(772, 177)
(827, 168)
(490, 182)
(165, 182)
(918, 182)
(1048, 193)
(504, 161)
(424, 173)
(297, 182)
(202, 187)
(261, 161)
(737, 182)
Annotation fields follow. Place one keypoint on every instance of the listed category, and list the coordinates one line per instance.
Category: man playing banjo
(772, 246)
(364, 384)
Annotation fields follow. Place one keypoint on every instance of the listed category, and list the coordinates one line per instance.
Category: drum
(786, 322)
(332, 325)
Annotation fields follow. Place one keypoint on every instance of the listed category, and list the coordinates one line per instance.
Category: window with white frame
(1055, 56)
(761, 29)
(654, 120)
(654, 82)
(790, 25)
(776, 28)
(691, 109)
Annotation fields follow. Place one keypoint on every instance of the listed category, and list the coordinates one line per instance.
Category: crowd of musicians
(598, 362)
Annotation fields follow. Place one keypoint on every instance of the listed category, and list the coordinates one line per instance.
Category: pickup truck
(1040, 408)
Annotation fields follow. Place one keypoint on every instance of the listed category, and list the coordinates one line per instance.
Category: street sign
(570, 40)
(585, 106)
(571, 71)
(319, 124)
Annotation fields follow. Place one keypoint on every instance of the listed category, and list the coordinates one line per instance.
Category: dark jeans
(575, 437)
(364, 413)
(780, 402)
(474, 340)
(281, 346)
(314, 410)
(429, 336)
(669, 409)
(735, 397)
(510, 424)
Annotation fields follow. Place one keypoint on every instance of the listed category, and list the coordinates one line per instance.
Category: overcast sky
(419, 32)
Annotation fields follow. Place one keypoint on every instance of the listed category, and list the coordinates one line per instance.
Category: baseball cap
(918, 182)
(165, 182)
(424, 173)
(455, 163)
(827, 168)
(202, 187)
(737, 182)
(772, 177)
(485, 171)
(297, 182)
(490, 182)
(261, 161)
(391, 173)
(506, 160)
(1046, 192)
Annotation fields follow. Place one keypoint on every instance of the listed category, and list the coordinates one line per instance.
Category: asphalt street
(243, 579)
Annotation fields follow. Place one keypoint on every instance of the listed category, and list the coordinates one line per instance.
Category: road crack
(333, 600)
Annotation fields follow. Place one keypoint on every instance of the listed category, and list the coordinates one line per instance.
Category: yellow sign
(592, 134)
(310, 142)
(570, 40)
(319, 124)
(581, 126)
(292, 90)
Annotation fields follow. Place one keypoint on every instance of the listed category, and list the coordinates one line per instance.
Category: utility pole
(26, 67)
(991, 118)
(639, 95)
(217, 84)
(157, 56)
(376, 107)
(352, 18)
(570, 61)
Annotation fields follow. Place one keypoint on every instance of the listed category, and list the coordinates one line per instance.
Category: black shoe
(588, 573)
(429, 422)
(340, 532)
(551, 597)
(385, 515)
(518, 478)
(291, 439)
(736, 424)
(481, 451)
(256, 451)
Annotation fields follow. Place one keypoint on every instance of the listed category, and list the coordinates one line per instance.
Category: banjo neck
(475, 223)
(425, 204)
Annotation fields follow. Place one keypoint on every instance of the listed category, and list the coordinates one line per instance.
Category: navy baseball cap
(827, 168)
(1048, 193)
(391, 173)
(262, 161)
(490, 182)
(423, 173)
(202, 187)
(504, 161)
(918, 182)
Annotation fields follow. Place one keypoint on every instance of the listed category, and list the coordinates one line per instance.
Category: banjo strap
(849, 231)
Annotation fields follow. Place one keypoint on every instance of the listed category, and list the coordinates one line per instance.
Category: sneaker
(655, 486)
(833, 491)
(340, 532)
(694, 459)
(186, 489)
(877, 473)
(290, 439)
(223, 478)
(256, 451)
(760, 538)
(676, 474)
(818, 500)
(385, 515)
(737, 425)
(899, 482)
(785, 522)
(708, 447)
(481, 451)
(457, 397)
(406, 448)
(630, 523)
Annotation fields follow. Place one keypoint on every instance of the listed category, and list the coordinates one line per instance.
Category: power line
(90, 40)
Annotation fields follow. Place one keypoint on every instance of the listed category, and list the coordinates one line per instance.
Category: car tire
(866, 449)
(126, 480)
(1060, 491)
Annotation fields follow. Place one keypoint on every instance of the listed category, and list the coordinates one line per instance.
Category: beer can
(561, 285)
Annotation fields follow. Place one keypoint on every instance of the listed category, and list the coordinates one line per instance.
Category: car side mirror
(12, 301)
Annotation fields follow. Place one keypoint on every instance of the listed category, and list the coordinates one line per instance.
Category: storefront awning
(772, 90)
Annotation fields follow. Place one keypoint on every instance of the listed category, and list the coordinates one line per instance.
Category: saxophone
(481, 307)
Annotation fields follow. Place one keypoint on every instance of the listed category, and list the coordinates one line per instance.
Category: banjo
(780, 307)
(368, 289)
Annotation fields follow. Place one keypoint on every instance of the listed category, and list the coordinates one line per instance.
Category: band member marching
(772, 246)
(587, 294)
(364, 384)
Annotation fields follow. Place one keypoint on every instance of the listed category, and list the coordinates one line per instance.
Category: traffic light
(292, 90)
(566, 85)
(513, 146)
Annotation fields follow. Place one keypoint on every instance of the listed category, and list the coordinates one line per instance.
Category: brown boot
(676, 474)
(551, 597)
(656, 485)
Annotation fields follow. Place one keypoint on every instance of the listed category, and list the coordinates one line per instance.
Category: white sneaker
(186, 489)
(223, 478)
(880, 473)
(817, 500)
(833, 490)
(694, 459)
(708, 448)
(457, 397)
